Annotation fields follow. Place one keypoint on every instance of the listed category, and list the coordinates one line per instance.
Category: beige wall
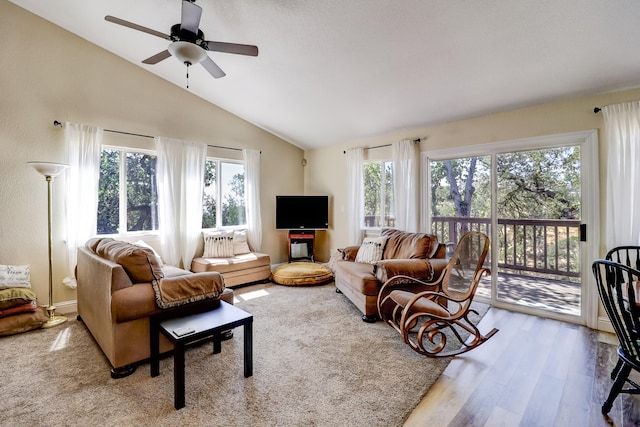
(48, 73)
(326, 169)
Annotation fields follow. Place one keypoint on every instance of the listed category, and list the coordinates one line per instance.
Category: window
(378, 194)
(223, 202)
(127, 194)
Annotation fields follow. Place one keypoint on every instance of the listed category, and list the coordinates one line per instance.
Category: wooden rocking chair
(423, 318)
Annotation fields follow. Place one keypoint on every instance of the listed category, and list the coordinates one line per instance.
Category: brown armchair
(423, 316)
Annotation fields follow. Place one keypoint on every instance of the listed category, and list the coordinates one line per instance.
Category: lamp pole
(50, 170)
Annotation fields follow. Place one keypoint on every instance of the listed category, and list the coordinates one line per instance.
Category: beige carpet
(315, 364)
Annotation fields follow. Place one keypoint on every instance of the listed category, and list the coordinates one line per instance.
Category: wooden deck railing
(537, 245)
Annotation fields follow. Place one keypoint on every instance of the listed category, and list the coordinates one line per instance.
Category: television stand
(301, 243)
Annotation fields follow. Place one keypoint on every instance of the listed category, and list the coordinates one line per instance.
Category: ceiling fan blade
(136, 27)
(191, 14)
(240, 49)
(157, 57)
(213, 68)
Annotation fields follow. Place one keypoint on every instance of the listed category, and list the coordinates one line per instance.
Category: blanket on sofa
(180, 290)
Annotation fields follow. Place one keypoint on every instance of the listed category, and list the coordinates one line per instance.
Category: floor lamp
(50, 171)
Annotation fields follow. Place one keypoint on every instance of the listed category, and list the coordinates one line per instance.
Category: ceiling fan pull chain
(187, 74)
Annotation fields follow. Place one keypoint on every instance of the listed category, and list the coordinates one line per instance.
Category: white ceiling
(333, 71)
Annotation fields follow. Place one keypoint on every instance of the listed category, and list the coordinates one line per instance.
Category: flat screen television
(302, 212)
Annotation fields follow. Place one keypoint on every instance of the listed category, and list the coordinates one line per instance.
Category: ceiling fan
(188, 43)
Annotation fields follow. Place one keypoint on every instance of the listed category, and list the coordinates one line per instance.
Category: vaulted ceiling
(334, 71)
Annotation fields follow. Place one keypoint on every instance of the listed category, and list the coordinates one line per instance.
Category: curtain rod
(597, 110)
(57, 123)
(415, 141)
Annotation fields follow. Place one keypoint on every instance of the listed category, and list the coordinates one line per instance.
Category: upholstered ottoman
(238, 269)
(301, 274)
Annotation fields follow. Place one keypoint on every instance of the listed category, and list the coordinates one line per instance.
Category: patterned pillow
(14, 276)
(218, 244)
(371, 250)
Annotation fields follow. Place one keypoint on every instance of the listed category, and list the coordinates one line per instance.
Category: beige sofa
(416, 255)
(116, 298)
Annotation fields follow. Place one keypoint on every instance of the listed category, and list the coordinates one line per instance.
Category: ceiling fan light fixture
(187, 53)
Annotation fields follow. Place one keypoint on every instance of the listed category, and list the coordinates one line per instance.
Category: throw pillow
(240, 245)
(336, 256)
(23, 308)
(218, 244)
(139, 263)
(23, 322)
(371, 250)
(144, 244)
(13, 297)
(14, 276)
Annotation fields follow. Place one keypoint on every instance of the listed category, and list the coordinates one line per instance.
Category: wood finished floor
(533, 372)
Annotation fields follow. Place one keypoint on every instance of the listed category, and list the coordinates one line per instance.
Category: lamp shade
(48, 168)
(187, 52)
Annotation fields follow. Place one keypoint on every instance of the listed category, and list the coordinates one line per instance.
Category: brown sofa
(417, 255)
(120, 285)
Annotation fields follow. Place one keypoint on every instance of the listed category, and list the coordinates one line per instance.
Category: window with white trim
(127, 192)
(378, 194)
(223, 202)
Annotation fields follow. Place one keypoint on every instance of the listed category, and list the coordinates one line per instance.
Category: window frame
(383, 197)
(218, 184)
(122, 190)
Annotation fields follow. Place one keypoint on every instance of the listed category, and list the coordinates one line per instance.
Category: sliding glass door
(528, 197)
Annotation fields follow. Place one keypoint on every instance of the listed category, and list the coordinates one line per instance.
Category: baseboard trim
(67, 307)
(604, 324)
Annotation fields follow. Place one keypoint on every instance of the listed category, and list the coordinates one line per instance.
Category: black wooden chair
(618, 285)
(626, 255)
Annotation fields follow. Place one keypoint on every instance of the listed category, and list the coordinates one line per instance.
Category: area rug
(316, 363)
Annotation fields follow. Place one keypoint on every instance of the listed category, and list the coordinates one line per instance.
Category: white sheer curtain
(622, 123)
(180, 177)
(355, 170)
(82, 146)
(405, 185)
(252, 197)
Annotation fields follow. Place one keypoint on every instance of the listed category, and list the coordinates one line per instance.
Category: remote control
(183, 331)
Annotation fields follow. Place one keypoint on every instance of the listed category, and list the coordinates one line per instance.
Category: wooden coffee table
(196, 327)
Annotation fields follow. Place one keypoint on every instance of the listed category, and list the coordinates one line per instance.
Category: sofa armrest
(438, 265)
(417, 268)
(441, 252)
(349, 253)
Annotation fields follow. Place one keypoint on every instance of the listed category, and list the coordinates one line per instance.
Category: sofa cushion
(134, 302)
(235, 263)
(139, 263)
(413, 268)
(144, 244)
(404, 245)
(172, 271)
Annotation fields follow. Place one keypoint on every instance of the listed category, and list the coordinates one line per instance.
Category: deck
(560, 296)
